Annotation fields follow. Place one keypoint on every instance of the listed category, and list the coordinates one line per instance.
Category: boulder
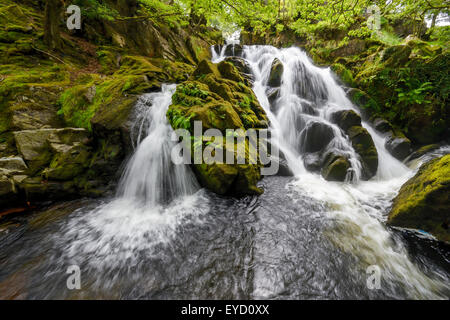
(229, 71)
(424, 201)
(398, 146)
(346, 119)
(309, 108)
(276, 73)
(217, 96)
(363, 144)
(335, 167)
(35, 146)
(272, 95)
(316, 136)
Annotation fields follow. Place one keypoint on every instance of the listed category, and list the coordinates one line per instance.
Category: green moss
(343, 73)
(210, 96)
(423, 202)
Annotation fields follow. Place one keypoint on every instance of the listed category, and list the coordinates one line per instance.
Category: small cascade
(150, 175)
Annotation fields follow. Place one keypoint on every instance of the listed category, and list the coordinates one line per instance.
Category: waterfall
(306, 96)
(163, 236)
(150, 175)
(309, 94)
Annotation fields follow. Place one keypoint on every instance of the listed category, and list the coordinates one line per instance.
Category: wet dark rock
(398, 146)
(346, 119)
(276, 73)
(217, 48)
(272, 95)
(422, 151)
(316, 136)
(283, 167)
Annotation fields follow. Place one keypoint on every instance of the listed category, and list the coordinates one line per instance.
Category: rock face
(217, 96)
(276, 73)
(423, 202)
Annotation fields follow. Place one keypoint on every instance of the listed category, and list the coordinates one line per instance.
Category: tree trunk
(52, 15)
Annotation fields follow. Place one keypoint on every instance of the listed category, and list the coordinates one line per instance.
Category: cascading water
(304, 238)
(150, 175)
(307, 95)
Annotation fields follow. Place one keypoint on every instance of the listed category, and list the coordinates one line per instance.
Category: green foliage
(94, 9)
(414, 95)
(178, 120)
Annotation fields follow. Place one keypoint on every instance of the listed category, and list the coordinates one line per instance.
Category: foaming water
(154, 197)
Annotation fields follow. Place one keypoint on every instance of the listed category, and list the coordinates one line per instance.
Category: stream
(162, 236)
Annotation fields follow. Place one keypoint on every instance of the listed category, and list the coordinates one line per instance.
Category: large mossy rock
(423, 202)
(243, 67)
(218, 97)
(346, 119)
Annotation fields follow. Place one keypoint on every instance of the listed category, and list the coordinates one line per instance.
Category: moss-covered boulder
(423, 202)
(346, 119)
(218, 97)
(335, 167)
(363, 144)
(395, 56)
(276, 73)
